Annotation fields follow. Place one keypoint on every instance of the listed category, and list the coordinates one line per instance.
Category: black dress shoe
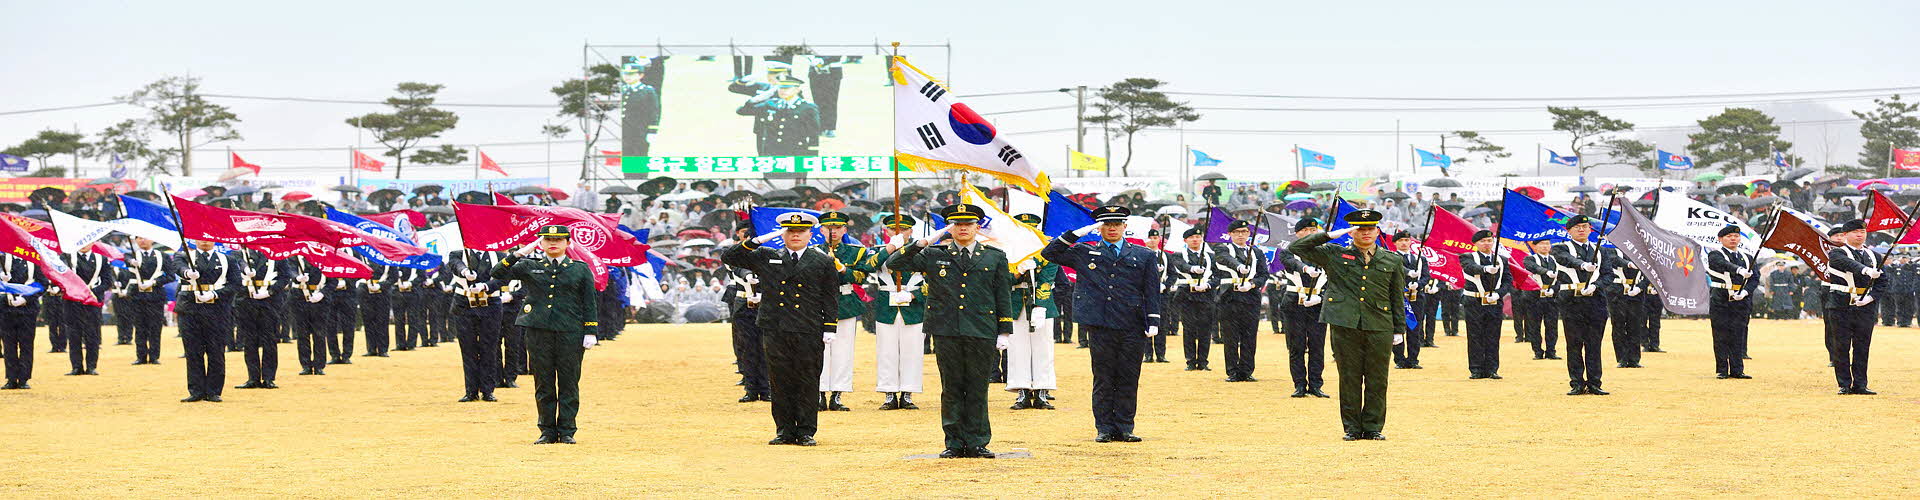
(1129, 438)
(1351, 436)
(469, 398)
(1723, 376)
(1040, 403)
(1539, 356)
(1741, 376)
(805, 441)
(565, 440)
(1376, 436)
(1103, 438)
(1595, 390)
(510, 385)
(10, 385)
(1494, 376)
(1577, 391)
(748, 398)
(1863, 391)
(1477, 376)
(780, 440)
(1845, 391)
(191, 399)
(211, 399)
(76, 372)
(906, 400)
(544, 440)
(22, 385)
(91, 371)
(953, 453)
(1316, 393)
(980, 452)
(268, 385)
(1553, 356)
(1298, 393)
(248, 385)
(306, 371)
(1415, 366)
(488, 397)
(1249, 378)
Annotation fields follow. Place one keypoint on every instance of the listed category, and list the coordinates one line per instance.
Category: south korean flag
(932, 131)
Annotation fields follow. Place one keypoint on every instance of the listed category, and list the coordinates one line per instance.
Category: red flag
(488, 165)
(1906, 160)
(1447, 238)
(334, 262)
(504, 228)
(613, 157)
(503, 200)
(203, 222)
(16, 240)
(239, 163)
(407, 222)
(1797, 237)
(1516, 264)
(363, 162)
(1885, 214)
(1441, 265)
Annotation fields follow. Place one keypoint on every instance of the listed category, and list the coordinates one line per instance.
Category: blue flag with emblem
(11, 163)
(1063, 215)
(423, 261)
(119, 167)
(1670, 161)
(1340, 210)
(1202, 160)
(1524, 219)
(764, 221)
(1315, 159)
(1432, 159)
(1556, 158)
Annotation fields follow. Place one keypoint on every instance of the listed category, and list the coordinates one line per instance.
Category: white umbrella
(697, 242)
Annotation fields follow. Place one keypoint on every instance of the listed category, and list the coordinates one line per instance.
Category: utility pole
(1079, 124)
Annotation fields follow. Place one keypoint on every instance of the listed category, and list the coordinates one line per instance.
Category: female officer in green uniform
(560, 317)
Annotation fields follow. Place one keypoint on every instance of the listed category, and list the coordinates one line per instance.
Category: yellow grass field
(659, 420)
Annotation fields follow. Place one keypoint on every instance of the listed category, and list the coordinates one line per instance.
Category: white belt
(1844, 289)
(1623, 281)
(846, 289)
(1477, 295)
(1734, 288)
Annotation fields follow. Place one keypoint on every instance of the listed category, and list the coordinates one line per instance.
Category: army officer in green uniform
(560, 316)
(968, 308)
(1363, 309)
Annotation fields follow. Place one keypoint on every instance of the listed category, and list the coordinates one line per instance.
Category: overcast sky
(80, 52)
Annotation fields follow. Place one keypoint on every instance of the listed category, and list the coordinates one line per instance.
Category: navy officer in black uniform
(799, 312)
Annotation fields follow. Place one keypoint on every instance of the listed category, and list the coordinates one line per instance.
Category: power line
(1028, 110)
(1488, 132)
(1472, 109)
(61, 108)
(1015, 92)
(381, 103)
(1882, 90)
(380, 147)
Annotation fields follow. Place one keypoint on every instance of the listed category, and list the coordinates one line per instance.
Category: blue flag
(11, 163)
(1063, 215)
(1780, 160)
(423, 261)
(1202, 160)
(1555, 158)
(119, 167)
(149, 212)
(1340, 210)
(765, 220)
(1432, 159)
(1523, 219)
(1670, 161)
(1314, 159)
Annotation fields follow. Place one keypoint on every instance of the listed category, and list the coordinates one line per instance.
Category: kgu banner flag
(1673, 261)
(934, 131)
(498, 228)
(334, 262)
(15, 240)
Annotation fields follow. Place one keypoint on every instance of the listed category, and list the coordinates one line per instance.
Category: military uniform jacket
(560, 293)
(1846, 276)
(1300, 286)
(217, 274)
(1723, 274)
(257, 272)
(785, 128)
(1486, 274)
(480, 264)
(1417, 270)
(1120, 292)
(743, 289)
(1625, 280)
(21, 272)
(970, 297)
(854, 262)
(1572, 257)
(1236, 265)
(797, 295)
(1783, 289)
(93, 269)
(1181, 276)
(1361, 295)
(909, 285)
(1546, 271)
(143, 265)
(314, 282)
(1034, 289)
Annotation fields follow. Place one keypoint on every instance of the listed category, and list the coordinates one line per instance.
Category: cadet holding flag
(1192, 272)
(960, 274)
(1584, 310)
(206, 315)
(1406, 355)
(1487, 283)
(1302, 303)
(560, 318)
(1030, 349)
(1852, 276)
(1363, 310)
(1117, 301)
(795, 308)
(1733, 280)
(260, 280)
(1246, 273)
(1544, 304)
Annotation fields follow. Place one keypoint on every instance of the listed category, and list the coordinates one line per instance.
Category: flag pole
(1499, 222)
(896, 160)
(1610, 202)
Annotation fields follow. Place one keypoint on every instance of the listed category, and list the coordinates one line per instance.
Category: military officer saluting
(785, 123)
(855, 262)
(1733, 278)
(560, 320)
(960, 274)
(795, 308)
(1117, 302)
(1363, 310)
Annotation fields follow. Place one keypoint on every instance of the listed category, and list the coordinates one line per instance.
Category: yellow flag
(1082, 161)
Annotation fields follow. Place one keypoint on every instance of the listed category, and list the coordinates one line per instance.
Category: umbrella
(1531, 192)
(103, 181)
(1323, 186)
(1583, 189)
(1212, 176)
(783, 194)
(1843, 191)
(1443, 182)
(235, 173)
(1884, 188)
(1731, 189)
(1796, 174)
(240, 190)
(1452, 205)
(656, 186)
(704, 185)
(188, 194)
(147, 195)
(1296, 185)
(386, 193)
(1644, 203)
(428, 188)
(557, 193)
(1396, 195)
(805, 190)
(850, 185)
(215, 190)
(1785, 185)
(867, 204)
(36, 214)
(526, 190)
(437, 210)
(829, 204)
(618, 190)
(346, 189)
(741, 194)
(1171, 210)
(474, 198)
(697, 242)
(1829, 178)
(1306, 204)
(1709, 177)
(1299, 196)
(1701, 192)
(1477, 211)
(1765, 200)
(1836, 209)
(1734, 200)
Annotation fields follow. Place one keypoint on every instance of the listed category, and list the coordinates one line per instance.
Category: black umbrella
(429, 188)
(867, 204)
(1843, 191)
(740, 194)
(704, 185)
(1836, 209)
(805, 190)
(341, 188)
(1785, 185)
(1395, 195)
(386, 193)
(242, 190)
(215, 190)
(1734, 201)
(1583, 189)
(850, 185)
(618, 190)
(144, 194)
(1452, 205)
(527, 190)
(1884, 188)
(1443, 182)
(704, 312)
(473, 198)
(437, 210)
(656, 186)
(1796, 174)
(1477, 211)
(1701, 192)
(1211, 176)
(1735, 188)
(51, 194)
(1765, 200)
(782, 194)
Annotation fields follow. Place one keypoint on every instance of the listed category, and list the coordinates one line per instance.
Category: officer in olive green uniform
(560, 317)
(856, 262)
(1363, 311)
(969, 306)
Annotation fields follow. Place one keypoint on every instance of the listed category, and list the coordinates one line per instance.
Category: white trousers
(1030, 356)
(836, 363)
(901, 357)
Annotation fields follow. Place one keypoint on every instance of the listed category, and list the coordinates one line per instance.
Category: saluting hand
(936, 236)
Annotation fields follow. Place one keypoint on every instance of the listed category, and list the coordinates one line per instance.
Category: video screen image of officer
(785, 122)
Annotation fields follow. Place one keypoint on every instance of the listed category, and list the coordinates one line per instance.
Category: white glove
(1200, 287)
(827, 337)
(508, 297)
(302, 277)
(1433, 288)
(204, 297)
(16, 300)
(373, 286)
(146, 284)
(53, 290)
(478, 287)
(469, 274)
(1740, 295)
(935, 237)
(260, 293)
(1195, 269)
(589, 342)
(192, 274)
(1153, 330)
(528, 250)
(1343, 232)
(316, 296)
(1024, 266)
(1311, 271)
(1244, 286)
(1399, 338)
(1588, 290)
(247, 271)
(1311, 302)
(1077, 233)
(1037, 312)
(1000, 343)
(1590, 267)
(1744, 272)
(1493, 296)
(770, 236)
(1875, 273)
(897, 241)
(1863, 300)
